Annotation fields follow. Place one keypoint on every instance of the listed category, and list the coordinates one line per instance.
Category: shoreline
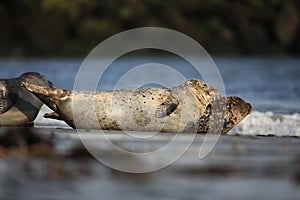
(238, 166)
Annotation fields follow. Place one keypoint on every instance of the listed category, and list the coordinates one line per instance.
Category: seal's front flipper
(167, 107)
(164, 110)
(53, 115)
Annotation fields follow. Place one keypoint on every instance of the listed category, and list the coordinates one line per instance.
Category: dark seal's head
(35, 78)
(7, 97)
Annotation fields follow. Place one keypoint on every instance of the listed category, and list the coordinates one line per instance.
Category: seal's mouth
(249, 108)
(3, 106)
(7, 102)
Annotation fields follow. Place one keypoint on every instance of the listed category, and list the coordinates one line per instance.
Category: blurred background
(222, 27)
(255, 45)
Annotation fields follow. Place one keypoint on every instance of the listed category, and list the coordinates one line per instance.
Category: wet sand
(239, 167)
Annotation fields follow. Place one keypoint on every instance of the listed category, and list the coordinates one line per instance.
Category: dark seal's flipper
(53, 115)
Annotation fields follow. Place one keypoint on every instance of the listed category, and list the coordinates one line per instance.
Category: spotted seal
(18, 107)
(191, 106)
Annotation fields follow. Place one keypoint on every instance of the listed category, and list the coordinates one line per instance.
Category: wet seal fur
(192, 106)
(18, 107)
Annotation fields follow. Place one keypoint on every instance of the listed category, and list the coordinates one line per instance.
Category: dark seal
(18, 107)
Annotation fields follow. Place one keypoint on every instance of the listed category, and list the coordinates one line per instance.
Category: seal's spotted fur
(192, 106)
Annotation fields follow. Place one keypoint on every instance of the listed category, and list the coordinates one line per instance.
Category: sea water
(270, 84)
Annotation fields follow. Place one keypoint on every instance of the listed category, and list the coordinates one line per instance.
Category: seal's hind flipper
(42, 91)
(167, 107)
(53, 115)
(49, 96)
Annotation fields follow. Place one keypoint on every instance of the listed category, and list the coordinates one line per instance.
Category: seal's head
(223, 114)
(7, 97)
(236, 110)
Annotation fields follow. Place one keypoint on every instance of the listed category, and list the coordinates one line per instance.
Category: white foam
(40, 121)
(269, 123)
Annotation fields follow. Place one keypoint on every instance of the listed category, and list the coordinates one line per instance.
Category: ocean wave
(41, 122)
(268, 124)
